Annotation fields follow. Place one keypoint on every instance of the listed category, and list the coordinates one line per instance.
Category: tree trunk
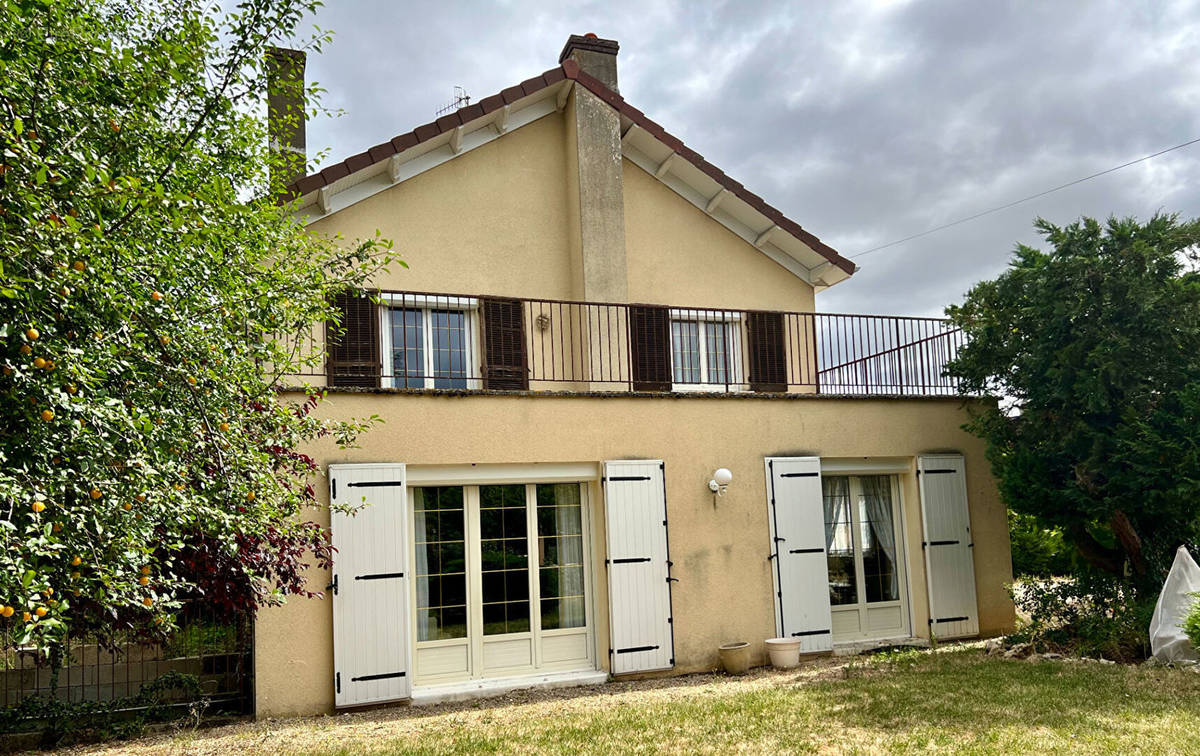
(1096, 553)
(1128, 537)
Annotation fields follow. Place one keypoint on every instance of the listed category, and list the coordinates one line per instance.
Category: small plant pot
(735, 657)
(784, 652)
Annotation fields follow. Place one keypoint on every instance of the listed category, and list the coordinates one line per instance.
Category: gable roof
(645, 142)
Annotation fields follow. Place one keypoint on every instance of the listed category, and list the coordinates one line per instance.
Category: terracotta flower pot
(735, 657)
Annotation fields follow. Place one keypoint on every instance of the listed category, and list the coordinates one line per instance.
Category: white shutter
(949, 558)
(801, 566)
(639, 567)
(370, 594)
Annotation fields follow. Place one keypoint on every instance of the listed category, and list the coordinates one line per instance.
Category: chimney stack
(285, 115)
(595, 56)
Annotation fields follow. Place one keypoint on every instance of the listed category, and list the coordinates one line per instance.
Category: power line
(1014, 203)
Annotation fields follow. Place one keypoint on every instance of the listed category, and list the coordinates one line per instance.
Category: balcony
(452, 342)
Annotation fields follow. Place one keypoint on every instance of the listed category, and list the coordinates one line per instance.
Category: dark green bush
(1038, 551)
(1085, 615)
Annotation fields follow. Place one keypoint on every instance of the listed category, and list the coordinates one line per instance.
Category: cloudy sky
(865, 122)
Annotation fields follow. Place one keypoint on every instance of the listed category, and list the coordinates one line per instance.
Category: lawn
(952, 700)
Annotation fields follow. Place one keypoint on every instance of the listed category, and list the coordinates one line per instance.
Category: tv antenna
(461, 100)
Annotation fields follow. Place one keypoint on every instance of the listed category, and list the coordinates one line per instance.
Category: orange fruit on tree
(47, 415)
(148, 601)
(145, 570)
(143, 580)
(250, 496)
(79, 265)
(39, 363)
(140, 497)
(76, 561)
(127, 506)
(32, 334)
(49, 591)
(38, 507)
(57, 527)
(26, 349)
(25, 616)
(157, 297)
(191, 379)
(40, 611)
(75, 576)
(165, 340)
(95, 493)
(224, 427)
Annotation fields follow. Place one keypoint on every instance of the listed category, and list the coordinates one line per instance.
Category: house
(617, 434)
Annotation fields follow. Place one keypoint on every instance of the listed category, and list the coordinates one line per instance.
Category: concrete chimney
(594, 187)
(285, 115)
(595, 56)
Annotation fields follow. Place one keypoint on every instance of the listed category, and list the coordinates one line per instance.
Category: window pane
(878, 533)
(441, 563)
(839, 541)
(449, 348)
(716, 344)
(560, 555)
(504, 551)
(685, 351)
(408, 348)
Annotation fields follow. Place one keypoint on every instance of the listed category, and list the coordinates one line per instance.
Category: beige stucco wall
(678, 255)
(490, 221)
(504, 219)
(719, 548)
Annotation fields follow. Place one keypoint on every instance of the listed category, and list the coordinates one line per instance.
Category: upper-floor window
(430, 342)
(705, 350)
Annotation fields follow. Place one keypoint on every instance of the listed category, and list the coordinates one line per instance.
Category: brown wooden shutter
(353, 353)
(766, 334)
(650, 347)
(504, 363)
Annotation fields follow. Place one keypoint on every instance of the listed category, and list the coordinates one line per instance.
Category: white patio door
(639, 567)
(370, 587)
(798, 551)
(949, 558)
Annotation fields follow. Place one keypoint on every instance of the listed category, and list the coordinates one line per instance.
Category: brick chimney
(595, 56)
(285, 114)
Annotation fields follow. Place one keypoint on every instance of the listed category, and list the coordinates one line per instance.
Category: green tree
(1094, 349)
(147, 457)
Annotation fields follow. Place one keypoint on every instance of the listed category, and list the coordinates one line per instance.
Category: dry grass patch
(953, 700)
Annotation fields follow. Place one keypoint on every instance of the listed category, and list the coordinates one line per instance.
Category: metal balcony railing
(412, 340)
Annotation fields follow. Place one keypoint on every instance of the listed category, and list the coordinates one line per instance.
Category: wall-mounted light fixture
(720, 480)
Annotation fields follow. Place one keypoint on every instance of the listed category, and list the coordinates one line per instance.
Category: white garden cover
(1167, 641)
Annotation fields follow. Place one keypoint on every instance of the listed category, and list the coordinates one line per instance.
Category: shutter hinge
(333, 586)
(670, 620)
(662, 466)
(672, 661)
(770, 557)
(337, 682)
(664, 523)
(335, 489)
(672, 580)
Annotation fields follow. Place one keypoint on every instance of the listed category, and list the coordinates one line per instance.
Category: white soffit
(697, 187)
(431, 153)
